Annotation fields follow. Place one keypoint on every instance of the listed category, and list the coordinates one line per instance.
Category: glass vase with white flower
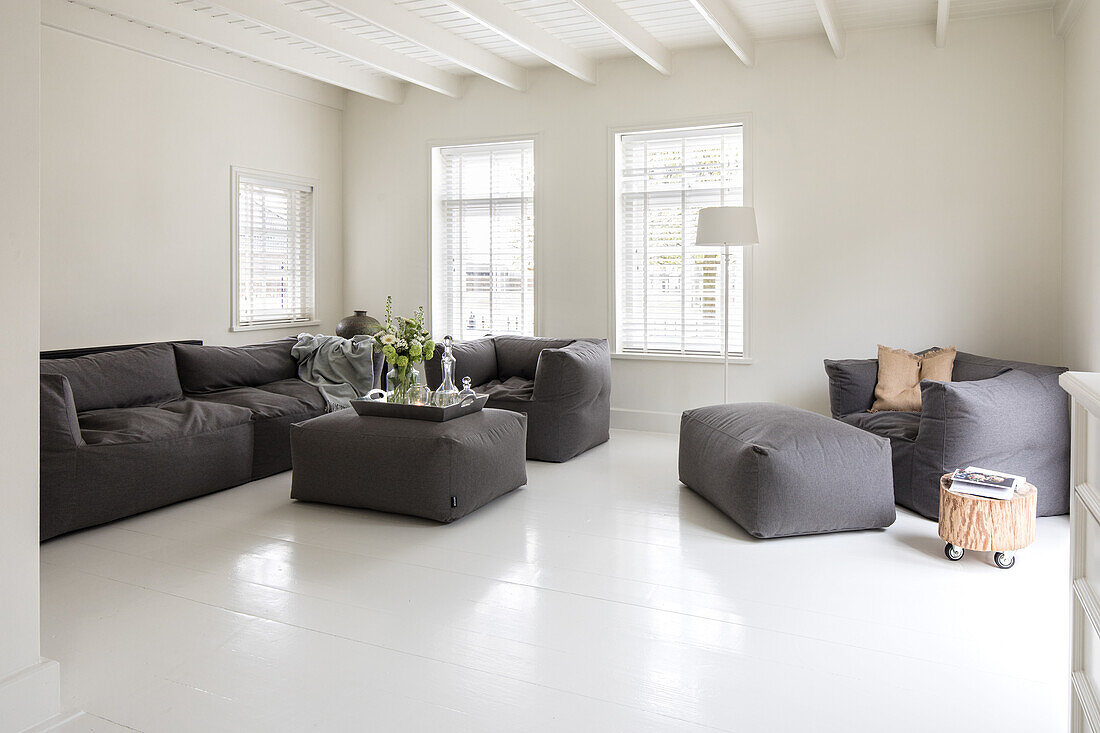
(404, 342)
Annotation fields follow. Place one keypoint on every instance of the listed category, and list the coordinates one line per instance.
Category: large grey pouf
(437, 470)
(780, 471)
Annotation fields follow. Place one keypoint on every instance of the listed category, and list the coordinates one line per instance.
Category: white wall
(1081, 192)
(906, 194)
(136, 155)
(28, 688)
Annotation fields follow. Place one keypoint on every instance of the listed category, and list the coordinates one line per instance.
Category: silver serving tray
(380, 408)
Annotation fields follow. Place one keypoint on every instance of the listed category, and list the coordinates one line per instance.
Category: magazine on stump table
(985, 483)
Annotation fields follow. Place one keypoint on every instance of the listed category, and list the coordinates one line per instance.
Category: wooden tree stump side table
(1001, 526)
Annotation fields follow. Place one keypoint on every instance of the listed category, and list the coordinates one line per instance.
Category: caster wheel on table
(1004, 560)
(953, 552)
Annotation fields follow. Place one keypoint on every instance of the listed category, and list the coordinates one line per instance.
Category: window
(483, 239)
(668, 291)
(272, 251)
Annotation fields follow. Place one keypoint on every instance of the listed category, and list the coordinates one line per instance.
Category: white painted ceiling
(674, 24)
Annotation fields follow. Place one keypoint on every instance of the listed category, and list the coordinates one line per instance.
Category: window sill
(675, 357)
(274, 326)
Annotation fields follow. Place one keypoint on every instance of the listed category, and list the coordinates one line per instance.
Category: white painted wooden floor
(602, 597)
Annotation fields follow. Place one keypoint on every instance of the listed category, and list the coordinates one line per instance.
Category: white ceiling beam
(216, 32)
(1066, 13)
(943, 14)
(629, 33)
(316, 32)
(833, 27)
(728, 27)
(524, 33)
(69, 17)
(410, 26)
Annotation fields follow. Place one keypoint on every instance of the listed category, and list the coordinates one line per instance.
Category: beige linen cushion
(900, 373)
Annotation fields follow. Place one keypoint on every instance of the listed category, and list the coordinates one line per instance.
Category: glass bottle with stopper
(447, 394)
(467, 396)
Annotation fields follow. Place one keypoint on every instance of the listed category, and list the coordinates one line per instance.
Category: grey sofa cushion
(148, 424)
(901, 428)
(513, 389)
(296, 389)
(59, 428)
(145, 375)
(890, 424)
(851, 385)
(475, 359)
(93, 484)
(1017, 422)
(275, 407)
(518, 356)
(780, 471)
(440, 471)
(971, 367)
(211, 368)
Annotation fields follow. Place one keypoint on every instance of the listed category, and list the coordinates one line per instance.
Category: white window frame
(236, 172)
(435, 209)
(615, 217)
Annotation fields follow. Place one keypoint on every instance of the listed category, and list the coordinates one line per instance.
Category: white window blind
(483, 242)
(274, 252)
(668, 290)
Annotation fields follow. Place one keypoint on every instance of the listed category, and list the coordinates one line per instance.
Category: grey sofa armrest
(1015, 422)
(578, 372)
(851, 385)
(58, 424)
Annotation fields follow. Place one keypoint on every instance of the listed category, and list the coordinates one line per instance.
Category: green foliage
(404, 341)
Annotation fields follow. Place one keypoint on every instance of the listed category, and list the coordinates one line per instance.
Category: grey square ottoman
(437, 470)
(780, 471)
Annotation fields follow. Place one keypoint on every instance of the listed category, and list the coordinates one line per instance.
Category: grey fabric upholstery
(901, 429)
(212, 368)
(518, 356)
(563, 386)
(984, 417)
(475, 359)
(1015, 422)
(437, 470)
(135, 459)
(515, 389)
(892, 425)
(851, 385)
(779, 471)
(145, 375)
(275, 407)
(119, 426)
(132, 430)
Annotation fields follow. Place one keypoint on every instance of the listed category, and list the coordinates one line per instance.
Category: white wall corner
(30, 696)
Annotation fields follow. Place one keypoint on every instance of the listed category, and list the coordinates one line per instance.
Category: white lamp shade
(726, 225)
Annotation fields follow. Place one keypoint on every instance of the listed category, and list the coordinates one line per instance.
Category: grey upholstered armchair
(1004, 415)
(562, 385)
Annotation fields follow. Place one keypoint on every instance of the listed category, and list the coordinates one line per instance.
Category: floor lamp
(725, 227)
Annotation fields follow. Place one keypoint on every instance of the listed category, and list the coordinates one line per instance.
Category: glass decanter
(467, 395)
(447, 394)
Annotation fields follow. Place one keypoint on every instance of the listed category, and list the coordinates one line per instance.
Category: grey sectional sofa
(562, 385)
(1005, 415)
(125, 430)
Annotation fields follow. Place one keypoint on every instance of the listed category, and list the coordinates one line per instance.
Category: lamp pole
(726, 324)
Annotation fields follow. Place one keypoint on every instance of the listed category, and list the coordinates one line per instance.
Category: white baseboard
(79, 723)
(30, 696)
(648, 420)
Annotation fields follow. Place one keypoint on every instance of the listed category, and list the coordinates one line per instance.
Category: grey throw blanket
(340, 368)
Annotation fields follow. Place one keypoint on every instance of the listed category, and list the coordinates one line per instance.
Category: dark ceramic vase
(357, 324)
